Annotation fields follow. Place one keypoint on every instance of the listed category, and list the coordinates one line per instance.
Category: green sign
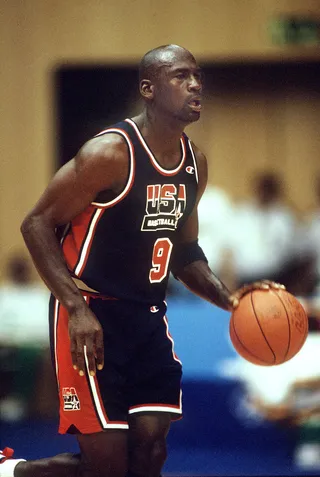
(295, 31)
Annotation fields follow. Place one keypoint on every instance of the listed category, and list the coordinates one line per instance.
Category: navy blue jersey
(122, 248)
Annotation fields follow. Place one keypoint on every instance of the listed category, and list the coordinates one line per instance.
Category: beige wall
(243, 132)
(36, 35)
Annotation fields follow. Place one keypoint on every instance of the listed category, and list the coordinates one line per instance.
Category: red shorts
(141, 371)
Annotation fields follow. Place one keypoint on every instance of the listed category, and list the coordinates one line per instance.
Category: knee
(159, 451)
(147, 454)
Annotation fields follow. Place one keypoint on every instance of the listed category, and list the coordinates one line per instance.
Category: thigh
(155, 373)
(147, 443)
(104, 454)
(148, 426)
(141, 371)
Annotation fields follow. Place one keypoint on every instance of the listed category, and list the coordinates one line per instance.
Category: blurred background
(69, 69)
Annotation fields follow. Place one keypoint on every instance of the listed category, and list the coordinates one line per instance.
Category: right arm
(100, 165)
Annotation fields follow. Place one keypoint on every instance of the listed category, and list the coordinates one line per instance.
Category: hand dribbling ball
(268, 327)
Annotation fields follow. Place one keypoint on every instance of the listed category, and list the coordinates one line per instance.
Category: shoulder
(200, 156)
(200, 159)
(108, 147)
(107, 154)
(202, 165)
(101, 163)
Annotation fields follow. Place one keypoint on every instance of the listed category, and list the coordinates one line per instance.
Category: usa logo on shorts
(71, 401)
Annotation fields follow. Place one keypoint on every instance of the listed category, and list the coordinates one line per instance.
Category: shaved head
(170, 83)
(164, 55)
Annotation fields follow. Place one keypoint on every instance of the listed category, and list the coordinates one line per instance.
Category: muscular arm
(102, 164)
(198, 276)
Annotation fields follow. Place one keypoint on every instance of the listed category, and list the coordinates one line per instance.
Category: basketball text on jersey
(165, 205)
(71, 401)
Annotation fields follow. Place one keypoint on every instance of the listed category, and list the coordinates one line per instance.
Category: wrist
(74, 304)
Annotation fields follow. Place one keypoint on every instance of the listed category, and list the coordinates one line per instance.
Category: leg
(147, 443)
(103, 454)
(62, 465)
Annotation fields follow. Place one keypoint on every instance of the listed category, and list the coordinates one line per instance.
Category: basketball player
(128, 205)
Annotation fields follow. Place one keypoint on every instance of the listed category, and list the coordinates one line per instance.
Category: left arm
(197, 275)
(189, 264)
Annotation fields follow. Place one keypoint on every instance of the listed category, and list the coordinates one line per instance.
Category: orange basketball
(268, 327)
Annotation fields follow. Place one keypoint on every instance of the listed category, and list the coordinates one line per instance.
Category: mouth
(195, 104)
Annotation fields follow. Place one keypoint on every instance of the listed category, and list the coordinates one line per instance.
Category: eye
(198, 76)
(182, 75)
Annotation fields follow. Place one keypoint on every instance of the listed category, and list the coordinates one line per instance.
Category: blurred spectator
(262, 241)
(289, 394)
(23, 339)
(216, 215)
(215, 212)
(312, 230)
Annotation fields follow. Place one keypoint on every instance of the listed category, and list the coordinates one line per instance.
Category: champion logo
(154, 309)
(190, 170)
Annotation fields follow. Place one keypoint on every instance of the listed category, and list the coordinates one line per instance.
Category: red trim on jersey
(85, 252)
(76, 235)
(77, 243)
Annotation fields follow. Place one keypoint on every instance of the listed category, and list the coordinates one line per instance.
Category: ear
(146, 89)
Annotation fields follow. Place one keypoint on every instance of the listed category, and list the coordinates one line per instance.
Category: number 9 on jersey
(160, 259)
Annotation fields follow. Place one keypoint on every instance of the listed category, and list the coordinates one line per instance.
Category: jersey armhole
(194, 161)
(131, 174)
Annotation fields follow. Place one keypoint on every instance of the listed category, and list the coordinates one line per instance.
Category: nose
(195, 84)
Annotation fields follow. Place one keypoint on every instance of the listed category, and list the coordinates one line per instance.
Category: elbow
(26, 226)
(31, 225)
(36, 224)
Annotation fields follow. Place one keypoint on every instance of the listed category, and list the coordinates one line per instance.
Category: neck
(162, 134)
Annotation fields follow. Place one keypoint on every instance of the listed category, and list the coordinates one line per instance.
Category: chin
(190, 117)
(193, 117)
(196, 116)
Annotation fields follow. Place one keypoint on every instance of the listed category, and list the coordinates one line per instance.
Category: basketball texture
(268, 327)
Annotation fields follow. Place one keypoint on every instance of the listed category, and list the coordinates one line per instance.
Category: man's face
(178, 87)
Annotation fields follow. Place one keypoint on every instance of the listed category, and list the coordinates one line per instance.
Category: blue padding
(201, 335)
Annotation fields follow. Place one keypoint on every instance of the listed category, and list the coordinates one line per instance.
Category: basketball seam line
(289, 326)
(307, 319)
(254, 311)
(247, 350)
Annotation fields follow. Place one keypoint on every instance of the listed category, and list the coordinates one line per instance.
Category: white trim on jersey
(55, 324)
(194, 161)
(175, 357)
(156, 408)
(132, 168)
(84, 250)
(153, 159)
(104, 423)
